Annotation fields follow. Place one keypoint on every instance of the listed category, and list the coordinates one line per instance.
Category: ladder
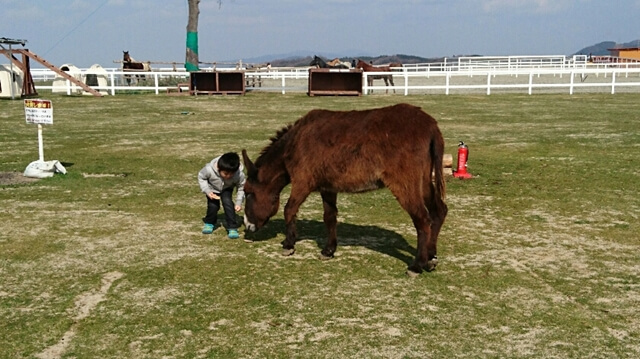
(29, 88)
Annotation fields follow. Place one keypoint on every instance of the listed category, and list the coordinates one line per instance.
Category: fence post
(530, 82)
(489, 83)
(365, 84)
(613, 83)
(446, 91)
(283, 83)
(155, 78)
(571, 83)
(113, 83)
(406, 83)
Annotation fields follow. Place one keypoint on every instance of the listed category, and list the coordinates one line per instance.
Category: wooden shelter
(631, 53)
(335, 82)
(10, 81)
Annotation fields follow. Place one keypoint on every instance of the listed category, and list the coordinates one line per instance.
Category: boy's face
(227, 174)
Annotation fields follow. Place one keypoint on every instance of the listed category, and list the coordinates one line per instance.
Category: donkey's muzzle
(248, 225)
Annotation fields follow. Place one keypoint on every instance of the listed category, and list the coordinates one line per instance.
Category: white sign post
(40, 112)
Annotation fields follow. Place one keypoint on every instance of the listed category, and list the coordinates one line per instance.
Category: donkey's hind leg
(422, 222)
(330, 220)
(410, 198)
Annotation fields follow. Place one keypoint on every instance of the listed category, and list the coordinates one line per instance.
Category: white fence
(283, 79)
(533, 78)
(482, 63)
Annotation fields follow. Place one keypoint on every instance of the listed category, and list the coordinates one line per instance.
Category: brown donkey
(399, 147)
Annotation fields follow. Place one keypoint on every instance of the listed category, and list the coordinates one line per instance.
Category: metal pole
(40, 145)
(11, 72)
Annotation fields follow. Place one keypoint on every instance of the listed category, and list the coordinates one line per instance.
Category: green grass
(538, 256)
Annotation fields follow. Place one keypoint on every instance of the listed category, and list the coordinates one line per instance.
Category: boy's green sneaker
(233, 234)
(208, 228)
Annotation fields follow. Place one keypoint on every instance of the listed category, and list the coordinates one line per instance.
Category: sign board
(38, 112)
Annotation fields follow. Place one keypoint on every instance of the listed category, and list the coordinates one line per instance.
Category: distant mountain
(602, 48)
(304, 57)
(376, 60)
(274, 59)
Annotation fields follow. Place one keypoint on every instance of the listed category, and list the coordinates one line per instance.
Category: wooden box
(335, 82)
(217, 82)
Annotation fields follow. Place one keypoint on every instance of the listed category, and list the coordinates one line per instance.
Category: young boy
(217, 180)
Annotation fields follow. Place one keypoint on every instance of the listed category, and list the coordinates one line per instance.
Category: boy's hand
(238, 208)
(213, 195)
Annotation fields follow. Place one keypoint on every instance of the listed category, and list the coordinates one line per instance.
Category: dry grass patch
(538, 256)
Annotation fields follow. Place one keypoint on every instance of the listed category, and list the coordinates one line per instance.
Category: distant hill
(300, 58)
(602, 48)
(376, 60)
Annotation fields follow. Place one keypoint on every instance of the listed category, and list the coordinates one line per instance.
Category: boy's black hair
(230, 162)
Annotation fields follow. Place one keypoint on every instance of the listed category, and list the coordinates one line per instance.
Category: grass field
(539, 256)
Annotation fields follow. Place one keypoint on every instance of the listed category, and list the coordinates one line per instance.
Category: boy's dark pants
(213, 206)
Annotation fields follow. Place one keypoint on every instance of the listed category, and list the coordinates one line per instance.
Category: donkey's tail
(437, 152)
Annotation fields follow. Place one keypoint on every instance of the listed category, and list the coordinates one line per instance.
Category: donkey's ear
(251, 168)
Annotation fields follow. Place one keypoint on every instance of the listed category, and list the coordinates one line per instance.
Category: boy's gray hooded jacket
(210, 180)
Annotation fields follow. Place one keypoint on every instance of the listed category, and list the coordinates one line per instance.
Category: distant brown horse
(370, 68)
(399, 147)
(129, 64)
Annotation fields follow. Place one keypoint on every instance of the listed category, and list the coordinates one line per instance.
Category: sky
(87, 32)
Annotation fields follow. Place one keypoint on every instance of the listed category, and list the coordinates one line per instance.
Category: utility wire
(76, 27)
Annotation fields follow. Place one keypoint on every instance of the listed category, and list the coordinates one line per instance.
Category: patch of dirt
(12, 178)
(84, 305)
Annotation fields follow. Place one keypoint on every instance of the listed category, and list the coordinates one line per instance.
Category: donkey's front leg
(290, 214)
(288, 245)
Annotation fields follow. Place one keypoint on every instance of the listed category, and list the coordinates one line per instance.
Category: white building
(10, 82)
(60, 84)
(96, 76)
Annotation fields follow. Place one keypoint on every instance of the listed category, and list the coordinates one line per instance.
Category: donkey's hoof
(412, 274)
(324, 257)
(288, 252)
(414, 270)
(431, 265)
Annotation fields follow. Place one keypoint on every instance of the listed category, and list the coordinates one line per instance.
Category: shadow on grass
(371, 237)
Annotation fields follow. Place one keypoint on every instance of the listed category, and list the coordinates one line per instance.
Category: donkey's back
(355, 151)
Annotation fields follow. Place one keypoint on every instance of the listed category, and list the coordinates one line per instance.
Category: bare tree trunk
(191, 60)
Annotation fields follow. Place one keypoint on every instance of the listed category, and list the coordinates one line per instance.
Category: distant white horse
(337, 63)
(320, 63)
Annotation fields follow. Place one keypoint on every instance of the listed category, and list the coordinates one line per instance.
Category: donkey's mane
(274, 141)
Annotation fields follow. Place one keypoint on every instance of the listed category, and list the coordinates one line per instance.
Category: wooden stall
(217, 83)
(335, 82)
(628, 53)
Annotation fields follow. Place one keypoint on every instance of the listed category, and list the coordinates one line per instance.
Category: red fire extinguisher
(463, 156)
